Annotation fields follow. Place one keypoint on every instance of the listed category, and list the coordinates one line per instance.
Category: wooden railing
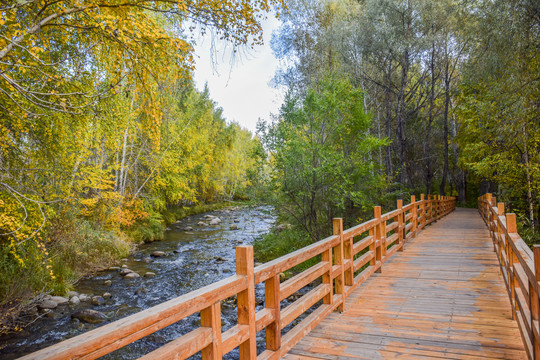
(343, 261)
(520, 267)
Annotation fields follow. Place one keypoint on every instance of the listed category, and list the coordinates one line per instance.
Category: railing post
(511, 227)
(414, 216)
(378, 238)
(430, 208)
(246, 301)
(271, 301)
(535, 304)
(327, 276)
(487, 204)
(423, 211)
(500, 212)
(211, 317)
(337, 224)
(400, 225)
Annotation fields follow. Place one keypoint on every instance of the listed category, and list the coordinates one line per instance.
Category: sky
(242, 88)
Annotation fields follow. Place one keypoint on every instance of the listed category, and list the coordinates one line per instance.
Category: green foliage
(321, 155)
(279, 243)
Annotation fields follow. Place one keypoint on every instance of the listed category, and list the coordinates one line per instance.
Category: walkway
(442, 298)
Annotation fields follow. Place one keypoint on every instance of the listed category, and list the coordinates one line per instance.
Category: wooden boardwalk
(442, 298)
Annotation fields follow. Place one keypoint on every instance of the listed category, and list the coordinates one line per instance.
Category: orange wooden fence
(344, 261)
(520, 268)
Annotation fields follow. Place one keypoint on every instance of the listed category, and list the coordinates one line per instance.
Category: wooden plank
(362, 244)
(246, 301)
(272, 295)
(233, 337)
(287, 288)
(275, 267)
(263, 318)
(363, 260)
(211, 317)
(183, 347)
(300, 306)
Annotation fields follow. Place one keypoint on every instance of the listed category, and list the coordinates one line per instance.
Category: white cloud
(242, 88)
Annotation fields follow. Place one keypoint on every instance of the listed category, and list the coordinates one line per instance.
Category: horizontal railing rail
(520, 268)
(343, 261)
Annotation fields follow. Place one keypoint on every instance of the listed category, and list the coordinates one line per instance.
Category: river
(193, 259)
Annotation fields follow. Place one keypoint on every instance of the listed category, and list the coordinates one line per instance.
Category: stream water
(193, 259)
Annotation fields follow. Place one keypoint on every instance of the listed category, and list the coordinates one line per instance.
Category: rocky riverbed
(196, 251)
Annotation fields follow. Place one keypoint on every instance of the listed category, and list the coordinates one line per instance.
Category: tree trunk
(445, 125)
(388, 105)
(530, 200)
(427, 143)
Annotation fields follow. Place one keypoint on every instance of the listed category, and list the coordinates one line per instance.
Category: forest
(105, 139)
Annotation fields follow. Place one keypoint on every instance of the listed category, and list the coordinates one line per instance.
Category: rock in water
(188, 228)
(47, 304)
(149, 274)
(71, 294)
(84, 297)
(60, 300)
(74, 300)
(131, 275)
(89, 316)
(98, 300)
(219, 259)
(158, 254)
(234, 227)
(215, 221)
(124, 272)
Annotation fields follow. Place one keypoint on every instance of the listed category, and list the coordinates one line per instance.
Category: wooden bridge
(457, 289)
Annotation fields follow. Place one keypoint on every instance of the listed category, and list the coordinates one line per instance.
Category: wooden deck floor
(442, 298)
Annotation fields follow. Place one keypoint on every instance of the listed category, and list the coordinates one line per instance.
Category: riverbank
(88, 251)
(194, 253)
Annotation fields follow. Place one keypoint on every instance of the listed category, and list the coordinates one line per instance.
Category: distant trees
(321, 150)
(499, 103)
(453, 86)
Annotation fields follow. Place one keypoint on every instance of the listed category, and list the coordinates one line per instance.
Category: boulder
(201, 223)
(236, 220)
(124, 266)
(107, 282)
(74, 300)
(84, 297)
(89, 316)
(131, 275)
(158, 254)
(215, 221)
(60, 300)
(147, 259)
(188, 228)
(71, 294)
(219, 259)
(234, 227)
(140, 291)
(125, 272)
(114, 268)
(47, 304)
(282, 227)
(106, 295)
(149, 274)
(98, 300)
